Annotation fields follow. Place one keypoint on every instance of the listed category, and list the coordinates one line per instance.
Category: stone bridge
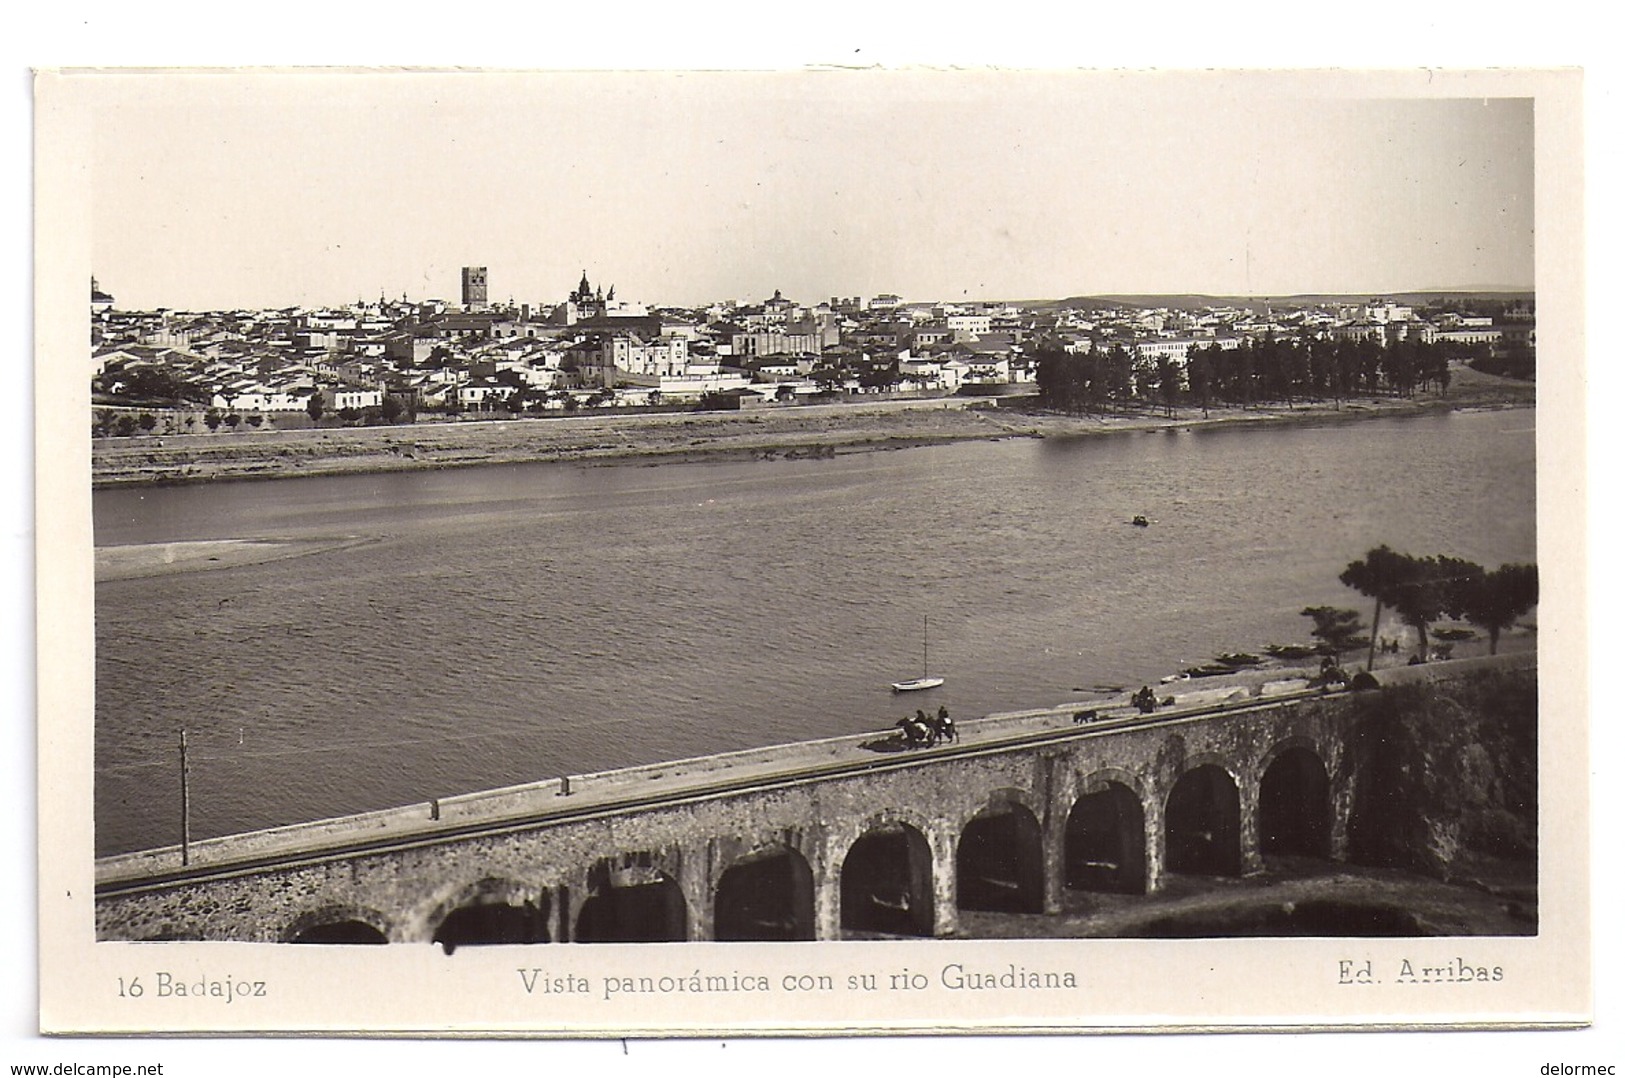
(815, 841)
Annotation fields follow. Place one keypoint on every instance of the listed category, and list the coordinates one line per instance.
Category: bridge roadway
(636, 789)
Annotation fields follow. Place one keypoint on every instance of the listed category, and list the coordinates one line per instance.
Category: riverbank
(773, 432)
(137, 560)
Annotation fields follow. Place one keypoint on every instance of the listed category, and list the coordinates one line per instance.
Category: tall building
(99, 300)
(474, 294)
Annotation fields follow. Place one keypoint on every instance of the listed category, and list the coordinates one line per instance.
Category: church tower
(474, 290)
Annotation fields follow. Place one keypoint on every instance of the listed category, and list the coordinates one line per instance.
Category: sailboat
(925, 680)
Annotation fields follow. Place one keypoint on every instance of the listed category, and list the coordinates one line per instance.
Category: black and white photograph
(867, 550)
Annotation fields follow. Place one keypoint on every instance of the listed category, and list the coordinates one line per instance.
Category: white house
(342, 397)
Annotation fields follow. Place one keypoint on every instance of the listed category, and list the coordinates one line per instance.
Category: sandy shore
(778, 432)
(137, 560)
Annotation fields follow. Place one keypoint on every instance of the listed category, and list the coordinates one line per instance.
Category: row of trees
(108, 422)
(1421, 590)
(1257, 371)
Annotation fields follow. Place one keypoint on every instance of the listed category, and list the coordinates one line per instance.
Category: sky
(267, 189)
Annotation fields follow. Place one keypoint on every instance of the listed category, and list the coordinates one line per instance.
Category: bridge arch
(492, 910)
(338, 924)
(632, 898)
(1105, 840)
(1295, 800)
(999, 858)
(766, 895)
(886, 877)
(1202, 820)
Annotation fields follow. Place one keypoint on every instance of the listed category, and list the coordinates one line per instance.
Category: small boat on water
(1238, 658)
(1140, 522)
(1210, 670)
(1290, 651)
(925, 680)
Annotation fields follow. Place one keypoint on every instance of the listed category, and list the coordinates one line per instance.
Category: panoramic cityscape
(399, 386)
(387, 361)
(766, 508)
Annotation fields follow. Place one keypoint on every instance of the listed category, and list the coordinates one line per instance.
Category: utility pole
(186, 808)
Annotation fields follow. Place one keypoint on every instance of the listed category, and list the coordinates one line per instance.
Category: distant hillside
(1464, 294)
(1188, 302)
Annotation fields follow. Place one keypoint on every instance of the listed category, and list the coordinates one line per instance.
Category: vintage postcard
(810, 552)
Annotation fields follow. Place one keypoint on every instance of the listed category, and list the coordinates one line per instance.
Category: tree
(1378, 576)
(828, 378)
(1199, 370)
(1118, 375)
(1336, 627)
(391, 408)
(1419, 590)
(1168, 384)
(148, 421)
(256, 420)
(156, 384)
(1422, 596)
(211, 419)
(315, 406)
(1496, 600)
(879, 376)
(126, 425)
(233, 419)
(1067, 382)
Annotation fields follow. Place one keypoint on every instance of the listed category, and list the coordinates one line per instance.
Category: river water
(507, 624)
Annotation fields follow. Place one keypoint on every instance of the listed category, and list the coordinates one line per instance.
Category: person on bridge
(1145, 700)
(945, 725)
(916, 731)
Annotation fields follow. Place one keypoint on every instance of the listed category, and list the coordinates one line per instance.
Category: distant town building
(1490, 335)
(626, 356)
(1386, 311)
(776, 342)
(475, 294)
(969, 325)
(778, 307)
